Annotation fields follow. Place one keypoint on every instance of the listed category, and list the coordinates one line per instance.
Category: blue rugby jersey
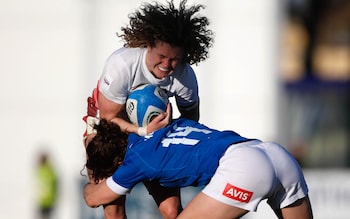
(182, 154)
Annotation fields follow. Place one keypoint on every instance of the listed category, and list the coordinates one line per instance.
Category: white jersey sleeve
(119, 73)
(115, 187)
(185, 87)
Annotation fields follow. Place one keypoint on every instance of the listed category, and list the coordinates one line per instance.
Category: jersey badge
(107, 80)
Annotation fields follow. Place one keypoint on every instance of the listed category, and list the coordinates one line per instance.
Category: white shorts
(253, 171)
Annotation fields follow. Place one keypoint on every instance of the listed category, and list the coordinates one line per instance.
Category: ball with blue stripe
(144, 103)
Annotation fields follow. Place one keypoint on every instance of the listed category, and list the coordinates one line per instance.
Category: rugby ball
(144, 103)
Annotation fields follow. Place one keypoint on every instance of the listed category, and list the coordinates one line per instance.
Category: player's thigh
(205, 207)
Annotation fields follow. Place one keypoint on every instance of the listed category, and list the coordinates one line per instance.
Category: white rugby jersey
(126, 68)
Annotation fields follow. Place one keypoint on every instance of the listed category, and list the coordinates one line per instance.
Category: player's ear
(88, 139)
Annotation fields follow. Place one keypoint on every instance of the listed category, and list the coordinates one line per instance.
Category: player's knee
(169, 210)
(169, 213)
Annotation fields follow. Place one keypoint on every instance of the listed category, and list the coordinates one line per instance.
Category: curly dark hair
(177, 27)
(106, 150)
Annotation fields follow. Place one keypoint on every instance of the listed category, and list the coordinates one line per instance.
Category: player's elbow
(90, 202)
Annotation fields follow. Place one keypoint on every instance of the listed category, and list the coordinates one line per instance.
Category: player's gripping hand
(92, 109)
(161, 120)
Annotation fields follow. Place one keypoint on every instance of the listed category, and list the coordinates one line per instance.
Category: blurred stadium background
(279, 71)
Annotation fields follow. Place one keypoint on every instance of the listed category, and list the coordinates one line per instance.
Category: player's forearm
(125, 126)
(158, 122)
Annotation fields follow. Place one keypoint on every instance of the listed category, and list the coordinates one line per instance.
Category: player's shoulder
(127, 53)
(185, 76)
(183, 69)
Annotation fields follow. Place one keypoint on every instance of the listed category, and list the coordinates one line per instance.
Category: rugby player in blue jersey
(237, 172)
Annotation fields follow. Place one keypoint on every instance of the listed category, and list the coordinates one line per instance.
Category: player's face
(162, 59)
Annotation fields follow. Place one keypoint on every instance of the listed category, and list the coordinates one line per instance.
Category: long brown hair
(106, 150)
(183, 27)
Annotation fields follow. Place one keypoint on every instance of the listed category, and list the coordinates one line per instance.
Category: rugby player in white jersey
(161, 44)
